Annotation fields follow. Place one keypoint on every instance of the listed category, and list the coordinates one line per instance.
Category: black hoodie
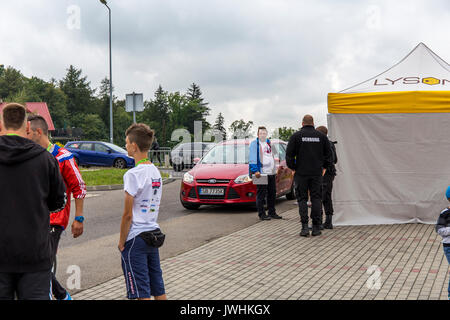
(308, 152)
(31, 187)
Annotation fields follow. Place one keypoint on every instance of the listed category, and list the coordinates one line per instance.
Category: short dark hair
(322, 129)
(141, 134)
(261, 128)
(38, 121)
(13, 116)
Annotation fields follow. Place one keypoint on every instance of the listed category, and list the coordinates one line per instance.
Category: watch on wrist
(79, 219)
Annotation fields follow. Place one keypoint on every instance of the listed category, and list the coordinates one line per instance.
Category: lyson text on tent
(411, 80)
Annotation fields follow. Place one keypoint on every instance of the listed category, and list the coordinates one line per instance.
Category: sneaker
(275, 216)
(68, 297)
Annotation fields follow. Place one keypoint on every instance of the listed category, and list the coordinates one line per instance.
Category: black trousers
(313, 185)
(327, 189)
(266, 191)
(155, 154)
(25, 286)
(57, 289)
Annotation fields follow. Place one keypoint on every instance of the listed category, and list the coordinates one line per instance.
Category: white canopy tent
(393, 134)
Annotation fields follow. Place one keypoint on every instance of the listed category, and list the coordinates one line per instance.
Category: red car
(222, 176)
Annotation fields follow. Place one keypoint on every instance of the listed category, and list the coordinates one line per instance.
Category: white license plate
(212, 191)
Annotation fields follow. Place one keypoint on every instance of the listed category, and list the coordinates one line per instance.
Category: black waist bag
(154, 238)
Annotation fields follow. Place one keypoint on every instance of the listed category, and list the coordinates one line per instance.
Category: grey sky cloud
(270, 61)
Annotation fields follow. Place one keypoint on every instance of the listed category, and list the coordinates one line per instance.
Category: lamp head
(104, 2)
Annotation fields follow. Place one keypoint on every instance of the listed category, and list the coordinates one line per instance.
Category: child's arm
(443, 231)
(441, 226)
(126, 220)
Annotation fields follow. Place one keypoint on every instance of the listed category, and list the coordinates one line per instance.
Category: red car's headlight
(243, 179)
(188, 178)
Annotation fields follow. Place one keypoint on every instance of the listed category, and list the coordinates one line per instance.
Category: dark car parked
(96, 153)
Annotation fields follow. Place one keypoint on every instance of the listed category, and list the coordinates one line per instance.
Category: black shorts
(25, 286)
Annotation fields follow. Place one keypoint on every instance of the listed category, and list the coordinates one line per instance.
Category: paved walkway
(269, 260)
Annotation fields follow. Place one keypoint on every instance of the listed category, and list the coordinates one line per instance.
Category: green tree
(93, 127)
(241, 129)
(284, 133)
(219, 125)
(177, 109)
(122, 120)
(177, 105)
(157, 115)
(78, 91)
(34, 89)
(57, 105)
(102, 105)
(20, 96)
(11, 83)
(39, 90)
(196, 109)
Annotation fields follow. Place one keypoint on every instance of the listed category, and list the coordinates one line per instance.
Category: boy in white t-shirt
(143, 189)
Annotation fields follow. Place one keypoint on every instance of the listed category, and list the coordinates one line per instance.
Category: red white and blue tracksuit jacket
(74, 184)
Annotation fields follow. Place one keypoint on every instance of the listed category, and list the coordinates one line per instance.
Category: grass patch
(108, 176)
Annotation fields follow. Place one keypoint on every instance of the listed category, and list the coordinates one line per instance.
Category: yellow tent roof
(419, 83)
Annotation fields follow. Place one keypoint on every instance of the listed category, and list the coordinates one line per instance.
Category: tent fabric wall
(393, 168)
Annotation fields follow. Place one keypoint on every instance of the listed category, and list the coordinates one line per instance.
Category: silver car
(183, 155)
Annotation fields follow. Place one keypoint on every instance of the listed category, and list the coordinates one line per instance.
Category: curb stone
(119, 186)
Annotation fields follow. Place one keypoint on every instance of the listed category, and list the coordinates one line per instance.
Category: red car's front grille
(212, 181)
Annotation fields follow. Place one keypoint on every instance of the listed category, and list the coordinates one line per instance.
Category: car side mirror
(109, 151)
(196, 160)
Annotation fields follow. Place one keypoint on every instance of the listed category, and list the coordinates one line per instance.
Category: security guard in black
(308, 153)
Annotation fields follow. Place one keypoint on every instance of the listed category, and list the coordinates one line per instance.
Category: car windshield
(227, 154)
(116, 148)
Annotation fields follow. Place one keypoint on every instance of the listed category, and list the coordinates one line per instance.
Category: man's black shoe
(305, 230)
(275, 216)
(316, 231)
(264, 217)
(328, 222)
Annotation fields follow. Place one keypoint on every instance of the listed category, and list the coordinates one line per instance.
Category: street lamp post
(110, 78)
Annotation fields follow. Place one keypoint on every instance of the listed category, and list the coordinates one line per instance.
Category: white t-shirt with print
(144, 183)
(267, 158)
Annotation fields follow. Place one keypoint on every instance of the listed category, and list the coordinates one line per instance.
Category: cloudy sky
(270, 61)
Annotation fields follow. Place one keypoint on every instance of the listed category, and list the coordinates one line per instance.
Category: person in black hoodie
(31, 187)
(308, 153)
(327, 184)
